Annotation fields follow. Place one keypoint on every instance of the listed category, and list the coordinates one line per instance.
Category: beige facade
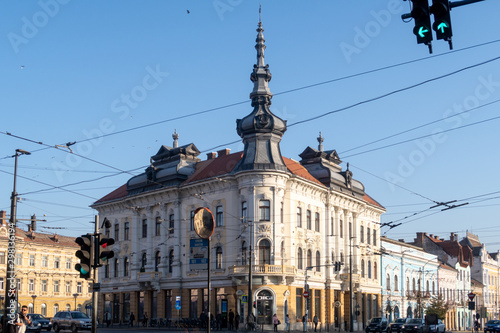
(46, 278)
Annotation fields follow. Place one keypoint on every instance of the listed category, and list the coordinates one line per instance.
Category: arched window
(144, 260)
(388, 282)
(396, 287)
(79, 307)
(157, 260)
(309, 259)
(362, 268)
(170, 261)
(299, 217)
(116, 268)
(68, 307)
(218, 258)
(414, 285)
(30, 308)
(318, 262)
(264, 252)
(407, 284)
(375, 274)
(308, 219)
(369, 269)
(433, 287)
(125, 266)
(427, 286)
(56, 308)
(299, 258)
(244, 252)
(44, 309)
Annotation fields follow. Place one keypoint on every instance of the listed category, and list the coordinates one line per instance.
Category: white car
(439, 328)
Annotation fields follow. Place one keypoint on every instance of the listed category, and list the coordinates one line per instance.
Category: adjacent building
(47, 281)
(286, 221)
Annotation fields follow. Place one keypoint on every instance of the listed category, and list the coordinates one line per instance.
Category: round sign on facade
(203, 222)
(306, 294)
(337, 304)
(471, 296)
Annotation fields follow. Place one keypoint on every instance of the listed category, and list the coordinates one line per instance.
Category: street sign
(337, 304)
(244, 298)
(472, 305)
(96, 286)
(471, 296)
(306, 294)
(177, 302)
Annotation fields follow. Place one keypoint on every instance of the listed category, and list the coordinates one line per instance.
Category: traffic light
(421, 15)
(103, 252)
(85, 255)
(442, 19)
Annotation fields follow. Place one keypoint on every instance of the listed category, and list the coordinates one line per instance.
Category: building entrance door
(265, 307)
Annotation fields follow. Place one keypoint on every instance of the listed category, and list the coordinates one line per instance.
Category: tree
(438, 306)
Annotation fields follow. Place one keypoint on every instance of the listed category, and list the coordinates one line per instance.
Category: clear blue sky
(72, 69)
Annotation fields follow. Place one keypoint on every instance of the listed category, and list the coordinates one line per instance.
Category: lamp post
(10, 308)
(75, 295)
(34, 298)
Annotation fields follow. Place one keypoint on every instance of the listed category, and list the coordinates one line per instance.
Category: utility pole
(250, 272)
(94, 292)
(351, 319)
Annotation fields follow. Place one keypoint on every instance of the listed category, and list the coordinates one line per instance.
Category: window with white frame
(43, 286)
(2, 257)
(44, 309)
(265, 210)
(56, 286)
(316, 222)
(219, 216)
(68, 263)
(57, 262)
(218, 258)
(31, 285)
(79, 287)
(68, 287)
(19, 259)
(308, 219)
(117, 231)
(32, 260)
(126, 230)
(299, 217)
(45, 261)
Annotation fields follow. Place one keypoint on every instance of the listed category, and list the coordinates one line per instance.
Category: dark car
(72, 320)
(397, 324)
(492, 326)
(415, 325)
(35, 327)
(378, 325)
(439, 328)
(44, 322)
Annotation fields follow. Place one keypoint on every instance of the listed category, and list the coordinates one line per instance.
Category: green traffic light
(422, 30)
(442, 26)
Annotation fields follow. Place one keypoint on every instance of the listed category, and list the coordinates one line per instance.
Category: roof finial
(260, 12)
(320, 140)
(175, 136)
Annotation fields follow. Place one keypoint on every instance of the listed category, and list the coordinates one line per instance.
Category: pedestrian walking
(145, 320)
(231, 319)
(132, 318)
(237, 319)
(287, 323)
(276, 322)
(315, 321)
(107, 318)
(304, 322)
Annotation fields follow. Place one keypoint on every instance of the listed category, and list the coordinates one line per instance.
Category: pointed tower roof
(261, 130)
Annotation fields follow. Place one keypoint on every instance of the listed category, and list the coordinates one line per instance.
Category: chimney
(55, 238)
(3, 217)
(211, 156)
(419, 241)
(401, 240)
(453, 237)
(223, 152)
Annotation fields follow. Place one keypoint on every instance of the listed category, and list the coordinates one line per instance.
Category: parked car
(72, 320)
(440, 327)
(397, 324)
(414, 325)
(44, 322)
(35, 327)
(378, 325)
(492, 326)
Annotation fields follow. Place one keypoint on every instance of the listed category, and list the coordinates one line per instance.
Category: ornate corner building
(286, 221)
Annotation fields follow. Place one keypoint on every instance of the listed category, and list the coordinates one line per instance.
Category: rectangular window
(43, 286)
(244, 211)
(368, 235)
(158, 226)
(308, 219)
(265, 210)
(126, 230)
(298, 303)
(31, 285)
(106, 270)
(68, 287)
(362, 234)
(193, 303)
(171, 224)
(117, 232)
(32, 260)
(219, 216)
(282, 213)
(341, 229)
(316, 222)
(299, 217)
(19, 259)
(79, 287)
(191, 220)
(56, 286)
(317, 302)
(374, 237)
(45, 261)
(2, 257)
(144, 228)
(56, 262)
(68, 263)
(2, 286)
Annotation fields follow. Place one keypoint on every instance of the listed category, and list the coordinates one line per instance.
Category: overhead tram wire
(283, 92)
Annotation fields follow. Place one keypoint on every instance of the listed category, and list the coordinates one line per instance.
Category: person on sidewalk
(132, 318)
(231, 319)
(22, 320)
(237, 319)
(276, 322)
(145, 320)
(287, 323)
(304, 322)
(315, 321)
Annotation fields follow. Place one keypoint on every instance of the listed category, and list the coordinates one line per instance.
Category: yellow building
(47, 281)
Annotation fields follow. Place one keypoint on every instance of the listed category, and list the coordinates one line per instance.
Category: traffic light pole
(94, 292)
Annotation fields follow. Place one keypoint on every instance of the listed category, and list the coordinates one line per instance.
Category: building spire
(261, 130)
(320, 140)
(175, 136)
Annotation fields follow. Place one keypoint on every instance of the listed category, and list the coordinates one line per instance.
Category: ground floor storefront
(331, 306)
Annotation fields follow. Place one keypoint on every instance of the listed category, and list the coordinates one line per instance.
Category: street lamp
(34, 297)
(10, 308)
(75, 295)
